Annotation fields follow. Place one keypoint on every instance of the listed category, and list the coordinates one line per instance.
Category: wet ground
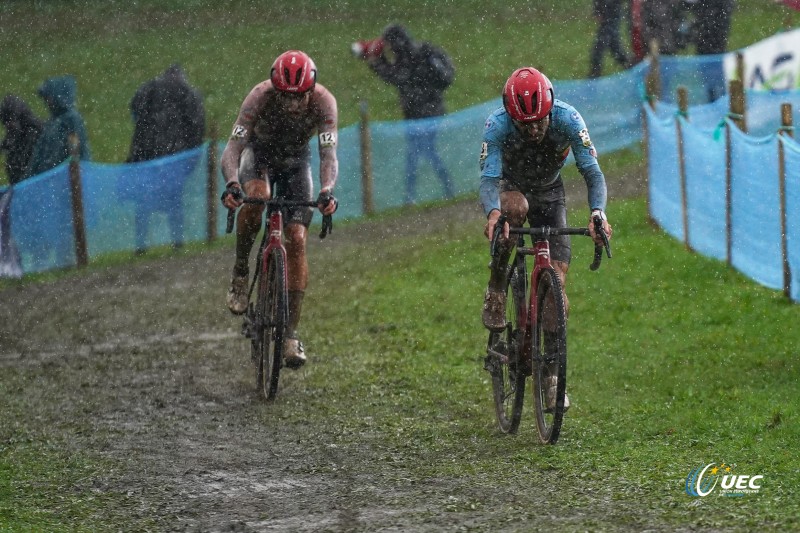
(133, 365)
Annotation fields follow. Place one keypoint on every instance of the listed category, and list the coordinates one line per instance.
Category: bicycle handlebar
(598, 250)
(280, 203)
(546, 231)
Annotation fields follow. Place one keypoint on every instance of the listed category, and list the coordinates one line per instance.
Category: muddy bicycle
(265, 320)
(534, 341)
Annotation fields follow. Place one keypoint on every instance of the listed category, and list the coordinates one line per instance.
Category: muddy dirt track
(133, 365)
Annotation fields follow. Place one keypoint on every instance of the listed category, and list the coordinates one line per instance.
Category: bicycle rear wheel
(503, 353)
(549, 352)
(271, 319)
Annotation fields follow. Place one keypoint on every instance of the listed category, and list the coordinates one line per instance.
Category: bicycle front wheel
(272, 313)
(549, 353)
(503, 354)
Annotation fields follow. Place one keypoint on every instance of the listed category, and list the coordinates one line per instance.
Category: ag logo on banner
(770, 65)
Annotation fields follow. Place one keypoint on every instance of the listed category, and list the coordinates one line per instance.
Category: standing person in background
(713, 20)
(660, 21)
(713, 24)
(50, 230)
(168, 118)
(268, 155)
(22, 130)
(421, 72)
(52, 146)
(609, 15)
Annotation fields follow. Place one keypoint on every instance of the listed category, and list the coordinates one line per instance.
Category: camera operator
(421, 72)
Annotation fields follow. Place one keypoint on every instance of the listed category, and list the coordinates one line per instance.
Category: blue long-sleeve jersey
(535, 167)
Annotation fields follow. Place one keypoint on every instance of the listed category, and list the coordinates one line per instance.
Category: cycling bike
(265, 320)
(534, 341)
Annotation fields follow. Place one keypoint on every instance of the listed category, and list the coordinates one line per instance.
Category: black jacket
(22, 131)
(421, 72)
(168, 117)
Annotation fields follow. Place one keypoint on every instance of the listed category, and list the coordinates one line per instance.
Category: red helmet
(293, 72)
(528, 95)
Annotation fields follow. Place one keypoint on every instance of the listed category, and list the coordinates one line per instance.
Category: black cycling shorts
(290, 180)
(547, 208)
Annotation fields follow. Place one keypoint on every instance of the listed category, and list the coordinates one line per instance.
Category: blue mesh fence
(605, 104)
(705, 189)
(755, 198)
(703, 77)
(159, 202)
(792, 154)
(763, 111)
(756, 245)
(662, 161)
(41, 221)
(163, 200)
(152, 203)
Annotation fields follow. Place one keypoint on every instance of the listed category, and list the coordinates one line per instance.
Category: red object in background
(794, 4)
(637, 41)
(365, 49)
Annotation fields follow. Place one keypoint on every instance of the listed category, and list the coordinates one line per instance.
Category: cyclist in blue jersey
(525, 144)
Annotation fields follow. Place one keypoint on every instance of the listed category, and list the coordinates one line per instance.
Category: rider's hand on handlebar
(327, 202)
(598, 214)
(491, 222)
(233, 195)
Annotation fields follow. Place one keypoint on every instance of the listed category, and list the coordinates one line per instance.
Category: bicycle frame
(541, 252)
(265, 322)
(273, 234)
(272, 240)
(518, 351)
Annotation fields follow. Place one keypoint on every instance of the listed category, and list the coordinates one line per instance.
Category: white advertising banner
(769, 65)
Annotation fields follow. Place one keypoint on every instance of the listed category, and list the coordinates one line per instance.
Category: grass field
(228, 47)
(676, 361)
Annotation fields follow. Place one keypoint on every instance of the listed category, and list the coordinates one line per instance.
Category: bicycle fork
(272, 240)
(541, 253)
(275, 242)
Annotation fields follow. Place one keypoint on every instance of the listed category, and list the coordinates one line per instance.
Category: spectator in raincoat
(168, 118)
(22, 129)
(713, 27)
(52, 146)
(421, 72)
